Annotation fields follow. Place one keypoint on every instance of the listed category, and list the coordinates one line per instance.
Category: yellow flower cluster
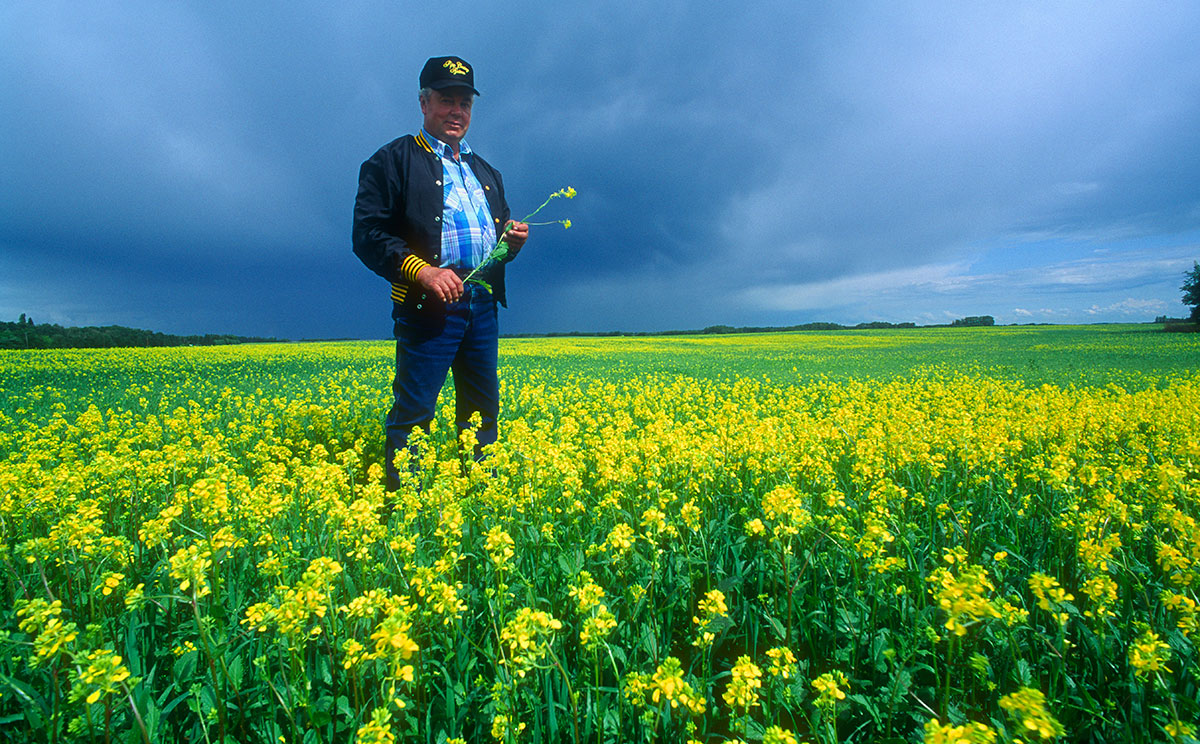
(43, 620)
(665, 686)
(527, 637)
(1050, 595)
(155, 499)
(103, 672)
(778, 735)
(829, 690)
(1148, 653)
(1028, 707)
(968, 733)
(713, 614)
(783, 663)
(298, 606)
(745, 681)
(598, 621)
(963, 597)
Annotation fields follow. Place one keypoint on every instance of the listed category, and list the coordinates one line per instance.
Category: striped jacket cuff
(411, 266)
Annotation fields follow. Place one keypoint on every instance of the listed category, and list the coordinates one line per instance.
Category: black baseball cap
(440, 73)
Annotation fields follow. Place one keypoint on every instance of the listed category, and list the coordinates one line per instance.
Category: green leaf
(236, 671)
(481, 283)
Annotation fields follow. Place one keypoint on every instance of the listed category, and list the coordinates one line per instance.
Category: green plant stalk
(54, 703)
(785, 559)
(596, 692)
(137, 716)
(212, 667)
(950, 649)
(507, 229)
(290, 705)
(570, 693)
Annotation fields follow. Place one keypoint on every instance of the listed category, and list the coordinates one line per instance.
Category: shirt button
(487, 188)
(437, 219)
(439, 183)
(418, 306)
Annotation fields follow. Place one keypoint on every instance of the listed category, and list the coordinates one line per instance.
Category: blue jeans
(463, 340)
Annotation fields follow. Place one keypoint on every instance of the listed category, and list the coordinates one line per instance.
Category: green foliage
(24, 334)
(974, 321)
(1191, 290)
(833, 488)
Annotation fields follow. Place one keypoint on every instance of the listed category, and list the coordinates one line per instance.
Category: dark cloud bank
(191, 168)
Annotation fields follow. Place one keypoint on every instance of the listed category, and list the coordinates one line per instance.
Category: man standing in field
(428, 211)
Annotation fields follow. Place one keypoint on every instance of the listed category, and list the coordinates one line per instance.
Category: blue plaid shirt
(467, 230)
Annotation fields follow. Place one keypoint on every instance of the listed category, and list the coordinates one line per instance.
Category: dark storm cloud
(191, 167)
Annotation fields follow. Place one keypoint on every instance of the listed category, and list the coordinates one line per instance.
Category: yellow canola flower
(1148, 653)
(713, 611)
(668, 686)
(580, 456)
(102, 675)
(742, 693)
(597, 628)
(1050, 595)
(963, 597)
(829, 689)
(527, 637)
(392, 640)
(586, 592)
(778, 735)
(378, 730)
(501, 724)
(500, 546)
(1028, 707)
(190, 567)
(783, 663)
(968, 733)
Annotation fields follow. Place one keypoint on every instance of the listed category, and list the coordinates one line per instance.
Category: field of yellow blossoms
(938, 535)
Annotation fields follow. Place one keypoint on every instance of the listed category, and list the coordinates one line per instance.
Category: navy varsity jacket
(398, 218)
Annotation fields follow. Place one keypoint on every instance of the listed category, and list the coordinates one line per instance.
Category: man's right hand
(443, 283)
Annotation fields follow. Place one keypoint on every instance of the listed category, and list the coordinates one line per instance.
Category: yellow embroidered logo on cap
(456, 68)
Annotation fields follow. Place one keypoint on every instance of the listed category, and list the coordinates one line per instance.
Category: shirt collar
(444, 150)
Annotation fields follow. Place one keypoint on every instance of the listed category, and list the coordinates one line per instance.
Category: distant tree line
(25, 334)
(719, 329)
(974, 320)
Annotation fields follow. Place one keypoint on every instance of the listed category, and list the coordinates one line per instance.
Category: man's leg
(476, 384)
(424, 353)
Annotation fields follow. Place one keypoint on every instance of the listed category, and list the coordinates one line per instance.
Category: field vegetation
(940, 535)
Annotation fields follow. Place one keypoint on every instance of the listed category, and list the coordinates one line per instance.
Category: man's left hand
(518, 233)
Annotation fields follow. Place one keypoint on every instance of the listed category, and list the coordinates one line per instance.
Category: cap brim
(445, 84)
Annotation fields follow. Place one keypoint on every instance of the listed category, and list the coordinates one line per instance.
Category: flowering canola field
(984, 535)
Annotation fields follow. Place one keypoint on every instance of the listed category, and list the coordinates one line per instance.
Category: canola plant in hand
(686, 539)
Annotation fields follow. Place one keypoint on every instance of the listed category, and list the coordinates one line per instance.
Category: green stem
(137, 716)
(570, 693)
(212, 667)
(950, 643)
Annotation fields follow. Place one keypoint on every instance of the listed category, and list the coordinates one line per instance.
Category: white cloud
(1130, 306)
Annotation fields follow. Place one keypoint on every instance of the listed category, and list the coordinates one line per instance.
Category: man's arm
(374, 239)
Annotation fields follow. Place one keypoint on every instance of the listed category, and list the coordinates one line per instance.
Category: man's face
(448, 114)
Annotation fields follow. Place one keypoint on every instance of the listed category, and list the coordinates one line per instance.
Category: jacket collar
(432, 144)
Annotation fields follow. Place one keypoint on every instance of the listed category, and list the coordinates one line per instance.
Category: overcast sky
(190, 167)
